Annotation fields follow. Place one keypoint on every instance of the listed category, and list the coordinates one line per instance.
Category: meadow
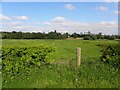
(63, 72)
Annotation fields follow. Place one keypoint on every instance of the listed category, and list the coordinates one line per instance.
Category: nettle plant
(111, 55)
(19, 61)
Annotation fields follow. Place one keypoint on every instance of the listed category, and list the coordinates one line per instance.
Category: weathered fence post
(78, 57)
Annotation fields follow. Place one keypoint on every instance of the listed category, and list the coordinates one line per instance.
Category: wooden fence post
(78, 57)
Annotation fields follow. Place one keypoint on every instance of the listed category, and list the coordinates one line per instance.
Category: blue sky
(59, 0)
(63, 16)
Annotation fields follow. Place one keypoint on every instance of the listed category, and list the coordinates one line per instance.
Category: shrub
(17, 62)
(94, 37)
(110, 54)
(112, 37)
(87, 38)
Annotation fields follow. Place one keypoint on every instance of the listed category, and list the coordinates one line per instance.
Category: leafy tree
(56, 35)
(75, 35)
(94, 37)
(87, 38)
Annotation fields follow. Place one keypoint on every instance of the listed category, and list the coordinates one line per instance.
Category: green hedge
(17, 62)
(111, 55)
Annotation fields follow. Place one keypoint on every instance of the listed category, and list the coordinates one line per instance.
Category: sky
(60, 0)
(61, 16)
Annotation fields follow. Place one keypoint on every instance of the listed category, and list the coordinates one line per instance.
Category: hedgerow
(17, 62)
(110, 54)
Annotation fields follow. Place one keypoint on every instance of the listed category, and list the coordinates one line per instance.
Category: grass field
(63, 73)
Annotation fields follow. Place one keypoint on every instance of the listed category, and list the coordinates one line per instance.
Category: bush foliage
(110, 54)
(17, 62)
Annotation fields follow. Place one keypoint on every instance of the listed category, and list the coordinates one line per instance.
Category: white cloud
(21, 17)
(59, 19)
(102, 8)
(62, 25)
(69, 6)
(117, 12)
(47, 23)
(111, 0)
(106, 27)
(22, 27)
(3, 17)
(11, 24)
(106, 23)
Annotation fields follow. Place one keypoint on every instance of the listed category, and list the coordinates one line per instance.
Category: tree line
(56, 35)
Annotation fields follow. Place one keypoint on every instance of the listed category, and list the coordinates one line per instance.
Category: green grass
(65, 49)
(64, 74)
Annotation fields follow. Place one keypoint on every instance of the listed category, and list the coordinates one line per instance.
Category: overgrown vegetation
(66, 76)
(18, 62)
(110, 55)
(63, 73)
